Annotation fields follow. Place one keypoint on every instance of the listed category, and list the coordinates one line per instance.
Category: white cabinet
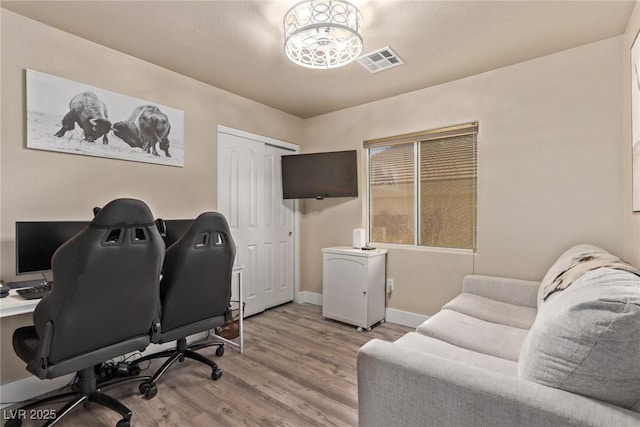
(353, 285)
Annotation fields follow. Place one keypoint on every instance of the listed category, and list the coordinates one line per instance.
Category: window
(422, 188)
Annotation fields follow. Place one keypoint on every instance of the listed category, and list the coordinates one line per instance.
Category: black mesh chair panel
(195, 291)
(199, 263)
(103, 304)
(97, 283)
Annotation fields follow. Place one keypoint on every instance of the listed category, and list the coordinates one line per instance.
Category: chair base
(148, 388)
(87, 393)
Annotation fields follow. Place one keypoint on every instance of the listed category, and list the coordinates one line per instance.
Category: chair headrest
(207, 221)
(123, 213)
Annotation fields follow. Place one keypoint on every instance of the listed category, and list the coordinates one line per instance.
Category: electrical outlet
(390, 286)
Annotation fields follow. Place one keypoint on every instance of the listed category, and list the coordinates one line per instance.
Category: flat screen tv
(37, 241)
(320, 175)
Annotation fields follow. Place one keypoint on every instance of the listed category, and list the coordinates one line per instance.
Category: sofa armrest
(511, 291)
(398, 386)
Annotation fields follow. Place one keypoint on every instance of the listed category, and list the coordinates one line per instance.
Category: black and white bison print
(146, 126)
(91, 114)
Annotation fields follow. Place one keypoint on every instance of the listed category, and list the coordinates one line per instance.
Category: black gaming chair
(195, 293)
(103, 304)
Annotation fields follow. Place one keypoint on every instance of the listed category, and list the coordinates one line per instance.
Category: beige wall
(38, 185)
(549, 169)
(631, 220)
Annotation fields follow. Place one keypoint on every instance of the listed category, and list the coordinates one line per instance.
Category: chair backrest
(196, 278)
(106, 282)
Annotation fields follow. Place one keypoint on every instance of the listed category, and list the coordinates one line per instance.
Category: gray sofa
(507, 352)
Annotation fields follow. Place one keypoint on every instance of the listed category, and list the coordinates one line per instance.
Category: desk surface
(15, 304)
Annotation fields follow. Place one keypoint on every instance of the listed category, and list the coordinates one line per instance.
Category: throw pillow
(572, 264)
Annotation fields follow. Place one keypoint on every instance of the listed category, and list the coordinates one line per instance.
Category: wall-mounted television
(320, 175)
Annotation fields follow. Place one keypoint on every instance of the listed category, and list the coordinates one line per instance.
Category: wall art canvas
(635, 123)
(75, 118)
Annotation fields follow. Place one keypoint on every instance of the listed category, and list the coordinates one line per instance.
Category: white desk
(15, 304)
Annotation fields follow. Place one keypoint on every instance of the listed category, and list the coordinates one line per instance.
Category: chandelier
(323, 33)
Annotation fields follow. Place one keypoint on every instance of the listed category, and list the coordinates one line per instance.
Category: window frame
(416, 139)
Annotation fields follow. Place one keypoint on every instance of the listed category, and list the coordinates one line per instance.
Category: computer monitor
(175, 228)
(37, 241)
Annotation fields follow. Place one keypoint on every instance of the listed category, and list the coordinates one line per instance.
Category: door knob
(290, 233)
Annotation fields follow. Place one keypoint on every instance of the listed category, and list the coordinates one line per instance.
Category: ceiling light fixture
(323, 33)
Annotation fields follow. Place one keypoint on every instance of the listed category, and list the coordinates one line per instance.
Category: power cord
(121, 367)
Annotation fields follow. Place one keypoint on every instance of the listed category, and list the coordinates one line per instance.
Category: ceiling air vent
(380, 60)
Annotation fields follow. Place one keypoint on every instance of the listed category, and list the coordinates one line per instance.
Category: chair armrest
(511, 291)
(398, 386)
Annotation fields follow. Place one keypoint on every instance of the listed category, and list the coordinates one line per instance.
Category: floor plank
(297, 370)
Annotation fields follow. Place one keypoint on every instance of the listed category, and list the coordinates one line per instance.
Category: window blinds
(444, 153)
(449, 158)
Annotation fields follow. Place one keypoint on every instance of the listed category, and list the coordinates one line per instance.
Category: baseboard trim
(309, 298)
(405, 318)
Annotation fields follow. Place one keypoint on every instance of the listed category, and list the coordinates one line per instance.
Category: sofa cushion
(475, 334)
(509, 290)
(586, 339)
(492, 310)
(448, 351)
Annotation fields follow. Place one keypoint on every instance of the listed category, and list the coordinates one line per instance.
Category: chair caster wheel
(148, 390)
(219, 351)
(13, 423)
(123, 423)
(216, 374)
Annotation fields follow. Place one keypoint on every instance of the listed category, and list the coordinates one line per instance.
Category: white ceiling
(238, 45)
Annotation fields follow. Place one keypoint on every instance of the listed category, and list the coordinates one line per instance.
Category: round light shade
(322, 33)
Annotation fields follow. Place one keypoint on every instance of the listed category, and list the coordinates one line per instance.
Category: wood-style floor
(296, 370)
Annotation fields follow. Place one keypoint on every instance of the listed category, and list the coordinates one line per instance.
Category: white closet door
(278, 232)
(250, 196)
